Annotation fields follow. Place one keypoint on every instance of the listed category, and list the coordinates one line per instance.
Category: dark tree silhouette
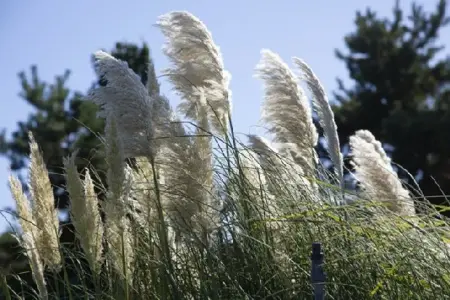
(400, 92)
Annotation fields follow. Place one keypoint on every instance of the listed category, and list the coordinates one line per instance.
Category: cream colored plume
(186, 166)
(30, 234)
(117, 226)
(286, 111)
(126, 100)
(44, 212)
(323, 109)
(118, 231)
(375, 174)
(269, 159)
(39, 221)
(143, 193)
(197, 68)
(23, 207)
(252, 170)
(37, 269)
(85, 213)
(257, 187)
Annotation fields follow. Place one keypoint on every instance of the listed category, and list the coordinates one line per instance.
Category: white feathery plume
(127, 100)
(281, 173)
(179, 167)
(95, 225)
(117, 226)
(323, 109)
(269, 158)
(286, 110)
(118, 230)
(252, 170)
(197, 65)
(23, 207)
(207, 213)
(29, 236)
(257, 187)
(198, 76)
(261, 145)
(162, 120)
(84, 213)
(277, 173)
(44, 212)
(143, 193)
(186, 165)
(115, 159)
(37, 268)
(178, 192)
(377, 177)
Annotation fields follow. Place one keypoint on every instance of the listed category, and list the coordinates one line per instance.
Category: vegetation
(400, 92)
(63, 123)
(173, 206)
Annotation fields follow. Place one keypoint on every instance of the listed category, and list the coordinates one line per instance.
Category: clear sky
(59, 35)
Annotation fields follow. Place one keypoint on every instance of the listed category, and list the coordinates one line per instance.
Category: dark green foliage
(55, 124)
(400, 91)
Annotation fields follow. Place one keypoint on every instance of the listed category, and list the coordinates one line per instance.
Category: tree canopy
(400, 92)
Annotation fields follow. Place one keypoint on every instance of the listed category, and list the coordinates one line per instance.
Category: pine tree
(400, 92)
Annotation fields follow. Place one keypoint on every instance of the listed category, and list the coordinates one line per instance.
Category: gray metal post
(317, 272)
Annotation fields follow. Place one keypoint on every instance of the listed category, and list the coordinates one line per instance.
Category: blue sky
(59, 35)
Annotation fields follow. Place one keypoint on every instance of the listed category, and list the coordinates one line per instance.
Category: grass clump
(201, 215)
